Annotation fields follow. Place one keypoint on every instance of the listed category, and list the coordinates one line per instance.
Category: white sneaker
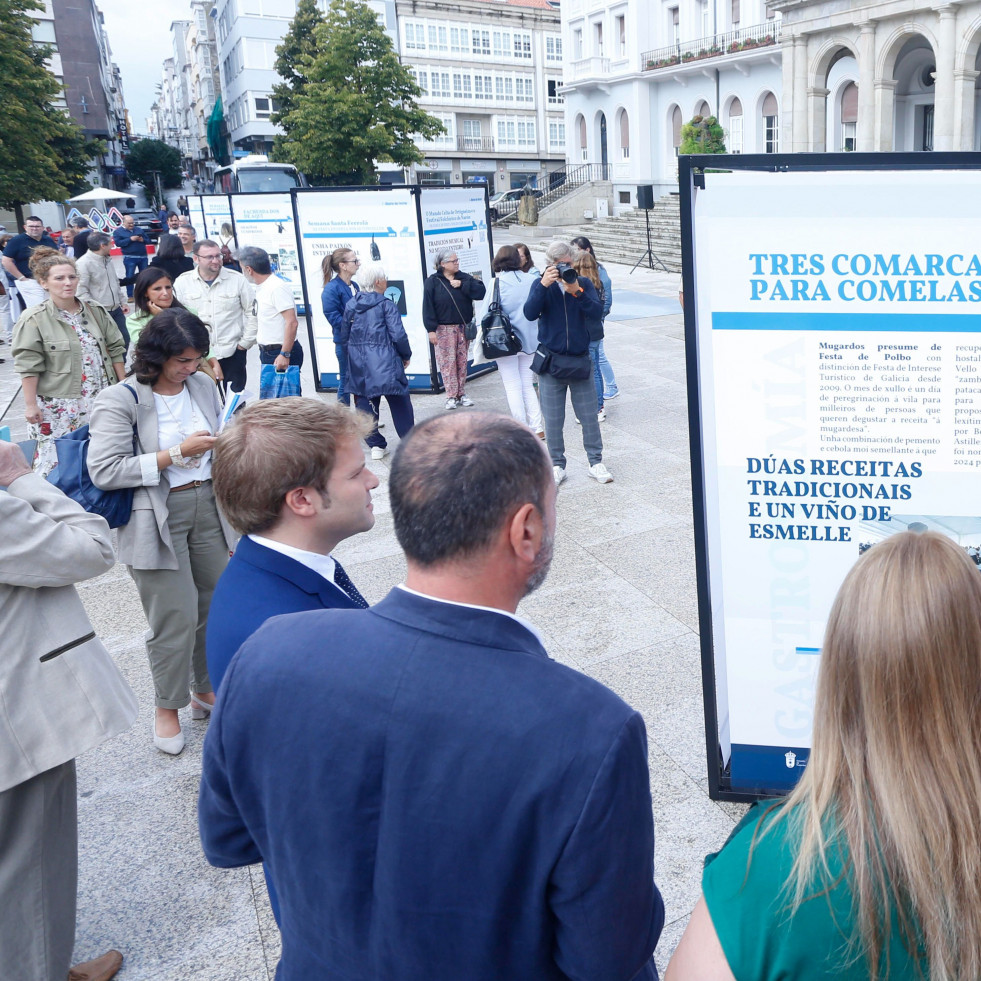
(466, 400)
(601, 415)
(452, 403)
(598, 472)
(559, 474)
(379, 452)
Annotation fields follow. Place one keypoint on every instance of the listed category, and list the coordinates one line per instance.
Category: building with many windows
(491, 71)
(248, 32)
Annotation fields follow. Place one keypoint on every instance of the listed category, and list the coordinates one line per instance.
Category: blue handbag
(71, 477)
(275, 384)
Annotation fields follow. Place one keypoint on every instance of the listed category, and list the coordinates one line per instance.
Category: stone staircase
(624, 239)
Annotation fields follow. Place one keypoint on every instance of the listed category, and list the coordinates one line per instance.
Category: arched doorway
(623, 130)
(769, 124)
(581, 137)
(734, 136)
(915, 69)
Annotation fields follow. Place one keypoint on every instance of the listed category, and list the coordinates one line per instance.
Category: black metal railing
(712, 46)
(557, 183)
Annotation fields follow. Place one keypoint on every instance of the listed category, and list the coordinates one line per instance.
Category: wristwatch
(284, 354)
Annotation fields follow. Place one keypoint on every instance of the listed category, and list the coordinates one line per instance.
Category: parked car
(147, 220)
(504, 202)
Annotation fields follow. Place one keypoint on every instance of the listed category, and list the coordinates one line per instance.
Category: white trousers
(519, 387)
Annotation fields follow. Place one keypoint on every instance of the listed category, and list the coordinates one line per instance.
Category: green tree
(146, 156)
(294, 55)
(702, 134)
(45, 154)
(355, 105)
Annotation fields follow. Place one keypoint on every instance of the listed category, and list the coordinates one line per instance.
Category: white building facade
(788, 76)
(491, 72)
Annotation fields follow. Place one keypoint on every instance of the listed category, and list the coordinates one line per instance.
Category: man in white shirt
(187, 235)
(275, 310)
(224, 301)
(98, 281)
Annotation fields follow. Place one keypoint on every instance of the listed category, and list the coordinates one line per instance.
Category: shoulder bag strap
(452, 297)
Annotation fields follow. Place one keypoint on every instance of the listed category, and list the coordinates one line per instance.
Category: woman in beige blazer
(65, 351)
(60, 695)
(155, 432)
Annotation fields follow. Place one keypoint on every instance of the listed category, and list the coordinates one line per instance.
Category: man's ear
(526, 529)
(300, 501)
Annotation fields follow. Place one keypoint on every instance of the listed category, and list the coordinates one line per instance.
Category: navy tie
(343, 580)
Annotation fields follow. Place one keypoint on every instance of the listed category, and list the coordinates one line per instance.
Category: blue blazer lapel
(294, 572)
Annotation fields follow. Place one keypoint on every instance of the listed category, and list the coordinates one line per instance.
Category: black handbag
(569, 367)
(499, 339)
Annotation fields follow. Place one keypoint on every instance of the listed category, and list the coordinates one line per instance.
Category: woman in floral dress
(65, 352)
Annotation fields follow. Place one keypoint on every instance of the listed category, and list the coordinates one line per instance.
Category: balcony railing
(478, 144)
(585, 67)
(713, 46)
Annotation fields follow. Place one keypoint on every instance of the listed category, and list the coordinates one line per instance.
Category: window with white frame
(264, 106)
(472, 136)
(556, 135)
(553, 47)
(849, 116)
(422, 80)
(735, 142)
(457, 85)
(771, 131)
(460, 40)
(482, 87)
(577, 44)
(522, 46)
(598, 39)
(447, 139)
(481, 42)
(624, 135)
(620, 26)
(440, 82)
(555, 97)
(415, 36)
(674, 23)
(502, 44)
(438, 38)
(515, 133)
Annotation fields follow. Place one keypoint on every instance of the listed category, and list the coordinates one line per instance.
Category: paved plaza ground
(619, 605)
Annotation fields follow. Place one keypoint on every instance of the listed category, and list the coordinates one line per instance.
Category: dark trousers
(402, 415)
(134, 265)
(120, 319)
(233, 368)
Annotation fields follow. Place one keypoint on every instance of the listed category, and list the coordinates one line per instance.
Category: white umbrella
(100, 194)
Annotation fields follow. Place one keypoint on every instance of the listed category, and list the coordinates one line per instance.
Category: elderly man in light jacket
(98, 281)
(60, 695)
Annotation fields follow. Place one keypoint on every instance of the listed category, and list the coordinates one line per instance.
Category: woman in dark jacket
(170, 257)
(447, 304)
(338, 270)
(377, 354)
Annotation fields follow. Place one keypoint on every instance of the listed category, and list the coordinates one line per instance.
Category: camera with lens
(566, 272)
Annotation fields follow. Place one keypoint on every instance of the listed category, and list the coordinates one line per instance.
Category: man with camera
(561, 302)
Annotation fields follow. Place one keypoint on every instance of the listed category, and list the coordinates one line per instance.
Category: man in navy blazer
(290, 476)
(435, 798)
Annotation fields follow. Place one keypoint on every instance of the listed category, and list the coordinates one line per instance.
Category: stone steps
(624, 239)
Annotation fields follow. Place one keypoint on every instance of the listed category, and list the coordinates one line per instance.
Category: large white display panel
(381, 222)
(456, 218)
(266, 221)
(838, 346)
(195, 213)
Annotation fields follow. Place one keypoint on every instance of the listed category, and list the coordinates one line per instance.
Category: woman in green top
(872, 866)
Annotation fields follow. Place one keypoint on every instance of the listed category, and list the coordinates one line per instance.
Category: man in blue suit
(434, 797)
(290, 476)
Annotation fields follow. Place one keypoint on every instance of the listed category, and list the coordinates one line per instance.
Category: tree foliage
(352, 102)
(146, 156)
(44, 152)
(298, 48)
(702, 134)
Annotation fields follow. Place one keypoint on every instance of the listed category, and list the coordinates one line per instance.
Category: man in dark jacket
(562, 309)
(131, 240)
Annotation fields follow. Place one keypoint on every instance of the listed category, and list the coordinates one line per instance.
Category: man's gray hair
(371, 274)
(442, 256)
(96, 240)
(80, 222)
(558, 251)
(255, 258)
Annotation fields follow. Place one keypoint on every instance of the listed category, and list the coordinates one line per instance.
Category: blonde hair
(332, 263)
(584, 264)
(894, 776)
(275, 446)
(44, 259)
